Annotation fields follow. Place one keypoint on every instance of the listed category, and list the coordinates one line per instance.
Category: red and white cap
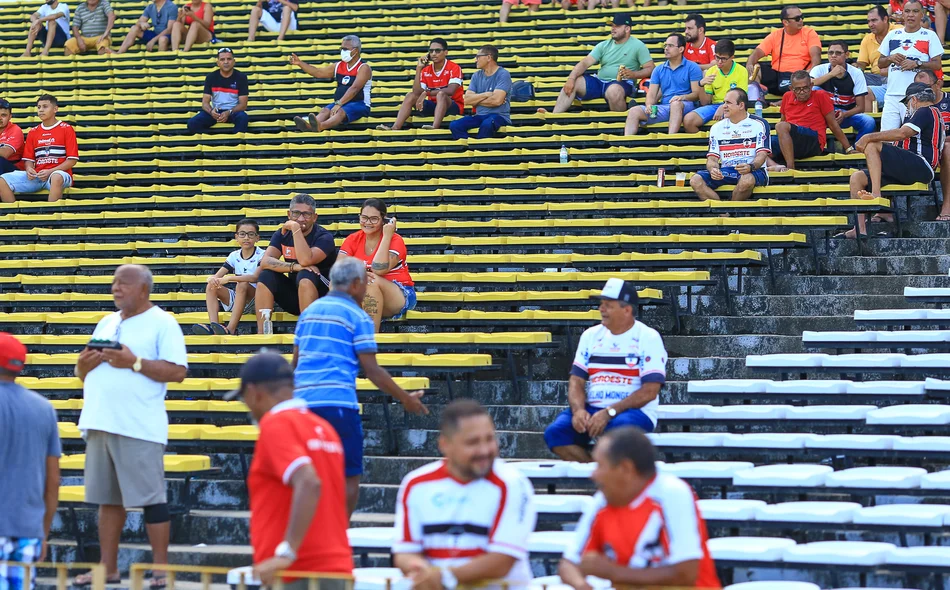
(12, 353)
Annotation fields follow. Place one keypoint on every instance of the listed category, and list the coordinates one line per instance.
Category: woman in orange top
(195, 22)
(389, 291)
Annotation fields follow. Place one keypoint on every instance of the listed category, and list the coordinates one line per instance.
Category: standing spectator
(845, 85)
(436, 89)
(123, 417)
(738, 150)
(354, 83)
(471, 491)
(224, 99)
(195, 22)
(879, 24)
(295, 482)
(29, 462)
(806, 116)
(643, 528)
(929, 78)
(623, 60)
(308, 251)
(92, 27)
(904, 155)
(506, 5)
(793, 47)
(333, 340)
(726, 75)
(242, 267)
(674, 90)
(55, 12)
(903, 52)
(11, 140)
(50, 152)
(160, 16)
(699, 48)
(389, 291)
(489, 96)
(276, 16)
(623, 364)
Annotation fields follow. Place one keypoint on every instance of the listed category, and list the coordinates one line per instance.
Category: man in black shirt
(929, 77)
(308, 252)
(224, 99)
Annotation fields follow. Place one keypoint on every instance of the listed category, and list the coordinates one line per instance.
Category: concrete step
(846, 285)
(797, 305)
(776, 324)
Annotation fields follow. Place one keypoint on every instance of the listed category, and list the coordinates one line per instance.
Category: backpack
(522, 91)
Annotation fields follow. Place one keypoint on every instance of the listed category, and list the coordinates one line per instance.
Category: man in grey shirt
(92, 26)
(29, 464)
(162, 14)
(489, 93)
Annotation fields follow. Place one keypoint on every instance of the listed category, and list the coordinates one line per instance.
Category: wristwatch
(449, 581)
(137, 365)
(285, 551)
(612, 412)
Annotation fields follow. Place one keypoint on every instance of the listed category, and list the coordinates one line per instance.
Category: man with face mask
(487, 505)
(354, 80)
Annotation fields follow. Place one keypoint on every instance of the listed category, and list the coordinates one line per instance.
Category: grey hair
(346, 270)
(304, 199)
(925, 95)
(143, 272)
(354, 40)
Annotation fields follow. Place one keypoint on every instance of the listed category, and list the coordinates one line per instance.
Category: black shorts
(902, 167)
(284, 287)
(804, 142)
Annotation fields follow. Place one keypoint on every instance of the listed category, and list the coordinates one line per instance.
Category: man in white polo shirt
(623, 364)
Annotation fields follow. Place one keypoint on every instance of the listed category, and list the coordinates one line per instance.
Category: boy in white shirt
(52, 19)
(242, 267)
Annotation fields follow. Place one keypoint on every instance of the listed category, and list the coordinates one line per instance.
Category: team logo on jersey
(345, 81)
(632, 360)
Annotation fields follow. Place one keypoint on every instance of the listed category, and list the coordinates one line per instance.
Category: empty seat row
(880, 362)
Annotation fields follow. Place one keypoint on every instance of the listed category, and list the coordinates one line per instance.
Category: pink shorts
(525, 2)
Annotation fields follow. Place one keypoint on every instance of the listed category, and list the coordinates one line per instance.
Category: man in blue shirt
(333, 339)
(674, 88)
(489, 93)
(162, 14)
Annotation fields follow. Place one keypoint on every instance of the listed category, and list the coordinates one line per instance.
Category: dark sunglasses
(797, 19)
(436, 50)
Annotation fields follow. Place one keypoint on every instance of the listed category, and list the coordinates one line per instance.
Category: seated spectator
(623, 60)
(489, 95)
(700, 49)
(195, 23)
(242, 268)
(389, 289)
(436, 89)
(50, 152)
(506, 5)
(11, 140)
(308, 251)
(845, 85)
(354, 82)
(905, 155)
(276, 16)
(674, 90)
(224, 99)
(160, 16)
(879, 24)
(613, 4)
(646, 3)
(929, 78)
(54, 12)
(806, 116)
(895, 8)
(726, 75)
(794, 47)
(92, 26)
(738, 150)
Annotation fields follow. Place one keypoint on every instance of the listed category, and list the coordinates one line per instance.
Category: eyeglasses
(436, 50)
(723, 57)
(303, 214)
(801, 90)
(246, 234)
(836, 52)
(798, 18)
(372, 220)
(670, 45)
(478, 55)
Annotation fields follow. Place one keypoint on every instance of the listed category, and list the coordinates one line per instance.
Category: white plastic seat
(850, 441)
(727, 386)
(911, 414)
(553, 468)
(937, 314)
(708, 469)
(783, 476)
(876, 477)
(373, 537)
(864, 361)
(886, 388)
(809, 387)
(826, 512)
(889, 314)
(687, 439)
(767, 549)
(922, 443)
(757, 412)
(766, 440)
(785, 361)
(937, 360)
(235, 574)
(898, 515)
(809, 337)
(561, 503)
(914, 336)
(931, 384)
(549, 541)
(733, 510)
(839, 553)
(911, 292)
(580, 470)
(924, 556)
(773, 585)
(939, 480)
(828, 412)
(681, 411)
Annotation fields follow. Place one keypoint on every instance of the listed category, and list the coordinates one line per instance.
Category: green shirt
(632, 54)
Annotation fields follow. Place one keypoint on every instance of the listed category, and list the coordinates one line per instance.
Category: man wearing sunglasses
(793, 47)
(847, 88)
(11, 140)
(489, 94)
(436, 89)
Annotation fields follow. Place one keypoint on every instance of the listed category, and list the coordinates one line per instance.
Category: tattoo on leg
(370, 305)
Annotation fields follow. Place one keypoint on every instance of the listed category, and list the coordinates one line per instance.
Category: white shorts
(271, 25)
(248, 307)
(892, 115)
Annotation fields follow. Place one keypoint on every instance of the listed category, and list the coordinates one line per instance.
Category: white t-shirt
(62, 21)
(237, 265)
(737, 143)
(122, 401)
(615, 365)
(449, 522)
(922, 44)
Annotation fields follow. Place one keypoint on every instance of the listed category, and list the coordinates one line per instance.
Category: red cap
(12, 353)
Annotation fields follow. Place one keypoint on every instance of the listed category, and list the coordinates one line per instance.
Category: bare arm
(475, 98)
(901, 133)
(50, 494)
(577, 394)
(163, 371)
(712, 163)
(572, 575)
(857, 110)
(836, 130)
(652, 95)
(681, 574)
(381, 377)
(757, 54)
(384, 260)
(449, 90)
(639, 398)
(272, 261)
(490, 566)
(643, 72)
(293, 6)
(241, 105)
(323, 72)
(206, 104)
(581, 67)
(934, 64)
(204, 22)
(6, 151)
(495, 99)
(362, 77)
(303, 504)
(110, 21)
(815, 54)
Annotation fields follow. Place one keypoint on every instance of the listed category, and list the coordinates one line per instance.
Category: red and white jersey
(738, 143)
(661, 527)
(449, 522)
(704, 54)
(451, 73)
(48, 147)
(12, 137)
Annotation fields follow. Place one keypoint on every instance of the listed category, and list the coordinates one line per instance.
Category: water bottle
(758, 108)
(564, 154)
(268, 326)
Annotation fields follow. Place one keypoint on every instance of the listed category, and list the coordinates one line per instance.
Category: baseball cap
(916, 88)
(620, 290)
(5, 104)
(263, 367)
(621, 19)
(12, 353)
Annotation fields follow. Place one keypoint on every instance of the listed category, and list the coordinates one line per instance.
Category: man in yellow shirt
(726, 75)
(879, 23)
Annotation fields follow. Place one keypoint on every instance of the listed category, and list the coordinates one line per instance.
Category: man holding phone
(224, 99)
(436, 89)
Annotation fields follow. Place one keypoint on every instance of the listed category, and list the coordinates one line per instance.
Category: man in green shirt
(623, 60)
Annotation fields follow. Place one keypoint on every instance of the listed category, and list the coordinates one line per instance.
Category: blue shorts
(353, 110)
(596, 88)
(731, 177)
(409, 293)
(349, 427)
(663, 112)
(20, 184)
(707, 112)
(428, 108)
(561, 433)
(149, 35)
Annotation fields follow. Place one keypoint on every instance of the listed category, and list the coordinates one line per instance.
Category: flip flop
(314, 124)
(202, 330)
(219, 330)
(301, 124)
(85, 580)
(158, 582)
(844, 236)
(382, 127)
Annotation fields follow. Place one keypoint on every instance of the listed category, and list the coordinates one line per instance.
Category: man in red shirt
(806, 116)
(699, 48)
(295, 483)
(11, 140)
(436, 90)
(49, 154)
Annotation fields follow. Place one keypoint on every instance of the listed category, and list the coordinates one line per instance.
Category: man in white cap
(623, 364)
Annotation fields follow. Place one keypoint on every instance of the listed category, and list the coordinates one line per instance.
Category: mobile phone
(425, 59)
(104, 345)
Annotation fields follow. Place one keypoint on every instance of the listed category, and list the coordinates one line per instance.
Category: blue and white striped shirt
(330, 335)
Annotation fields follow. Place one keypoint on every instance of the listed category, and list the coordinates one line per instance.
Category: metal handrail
(63, 582)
